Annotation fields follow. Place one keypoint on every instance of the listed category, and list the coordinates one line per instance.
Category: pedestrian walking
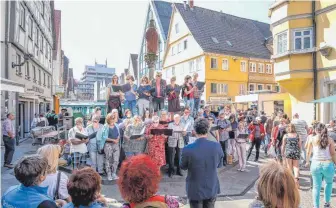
(323, 164)
(257, 134)
(301, 128)
(108, 140)
(200, 192)
(291, 149)
(268, 129)
(97, 159)
(8, 136)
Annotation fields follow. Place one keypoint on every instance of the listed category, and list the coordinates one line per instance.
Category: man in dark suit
(201, 159)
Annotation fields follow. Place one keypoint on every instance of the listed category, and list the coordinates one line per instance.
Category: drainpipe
(314, 59)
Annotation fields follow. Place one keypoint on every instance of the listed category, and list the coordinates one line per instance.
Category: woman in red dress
(156, 143)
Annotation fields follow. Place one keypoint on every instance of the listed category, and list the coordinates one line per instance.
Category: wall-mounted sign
(59, 89)
(36, 89)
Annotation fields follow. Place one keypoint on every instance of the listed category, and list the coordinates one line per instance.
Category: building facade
(205, 41)
(304, 54)
(29, 34)
(160, 11)
(85, 90)
(57, 78)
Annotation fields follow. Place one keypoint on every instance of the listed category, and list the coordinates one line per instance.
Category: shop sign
(36, 89)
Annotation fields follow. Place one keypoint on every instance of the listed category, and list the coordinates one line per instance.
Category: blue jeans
(190, 104)
(196, 106)
(131, 104)
(130, 154)
(320, 171)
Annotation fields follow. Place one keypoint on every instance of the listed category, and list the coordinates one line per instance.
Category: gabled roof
(164, 10)
(134, 61)
(221, 33)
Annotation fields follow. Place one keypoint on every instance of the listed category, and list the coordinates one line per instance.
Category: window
(261, 68)
(173, 71)
(43, 9)
(243, 66)
(22, 20)
(37, 37)
(30, 27)
(191, 66)
(277, 88)
(185, 44)
(260, 87)
(213, 88)
(269, 87)
(214, 40)
(225, 64)
(27, 71)
(303, 39)
(48, 81)
(40, 77)
(18, 61)
(177, 29)
(253, 67)
(179, 48)
(282, 42)
(213, 64)
(42, 43)
(241, 89)
(173, 50)
(34, 74)
(222, 88)
(251, 87)
(44, 79)
(198, 63)
(268, 69)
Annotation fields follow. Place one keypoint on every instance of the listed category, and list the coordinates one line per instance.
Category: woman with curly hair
(276, 188)
(139, 182)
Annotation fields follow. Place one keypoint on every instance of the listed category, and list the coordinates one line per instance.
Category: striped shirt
(300, 127)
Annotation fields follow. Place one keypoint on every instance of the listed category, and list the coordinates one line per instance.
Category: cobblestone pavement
(238, 189)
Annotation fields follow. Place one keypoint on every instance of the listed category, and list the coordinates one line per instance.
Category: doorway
(21, 127)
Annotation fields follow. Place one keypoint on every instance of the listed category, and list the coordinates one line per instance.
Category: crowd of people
(135, 144)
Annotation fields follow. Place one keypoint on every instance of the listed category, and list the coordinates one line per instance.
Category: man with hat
(159, 85)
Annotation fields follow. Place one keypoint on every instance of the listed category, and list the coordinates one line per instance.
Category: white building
(28, 56)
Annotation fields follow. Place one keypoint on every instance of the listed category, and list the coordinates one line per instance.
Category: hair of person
(79, 120)
(139, 179)
(285, 116)
(97, 109)
(115, 82)
(130, 77)
(127, 111)
(155, 119)
(84, 185)
(95, 118)
(322, 131)
(173, 79)
(186, 78)
(164, 112)
(41, 115)
(221, 114)
(201, 126)
(291, 128)
(195, 74)
(276, 186)
(30, 168)
(8, 114)
(114, 111)
(137, 120)
(52, 153)
(187, 108)
(177, 116)
(145, 79)
(110, 118)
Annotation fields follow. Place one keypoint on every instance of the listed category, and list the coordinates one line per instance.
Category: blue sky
(113, 29)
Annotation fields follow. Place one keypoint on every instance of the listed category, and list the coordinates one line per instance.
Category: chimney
(191, 4)
(185, 5)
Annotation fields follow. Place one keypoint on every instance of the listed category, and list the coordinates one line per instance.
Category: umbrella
(330, 99)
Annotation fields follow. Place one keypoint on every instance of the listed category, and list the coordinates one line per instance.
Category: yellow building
(220, 48)
(304, 54)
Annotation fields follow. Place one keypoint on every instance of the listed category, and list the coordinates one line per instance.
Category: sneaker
(327, 205)
(239, 169)
(243, 170)
(114, 177)
(109, 177)
(10, 166)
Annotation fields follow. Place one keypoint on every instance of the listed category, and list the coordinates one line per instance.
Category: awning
(330, 99)
(8, 85)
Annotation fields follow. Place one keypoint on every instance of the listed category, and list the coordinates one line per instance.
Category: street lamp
(26, 57)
